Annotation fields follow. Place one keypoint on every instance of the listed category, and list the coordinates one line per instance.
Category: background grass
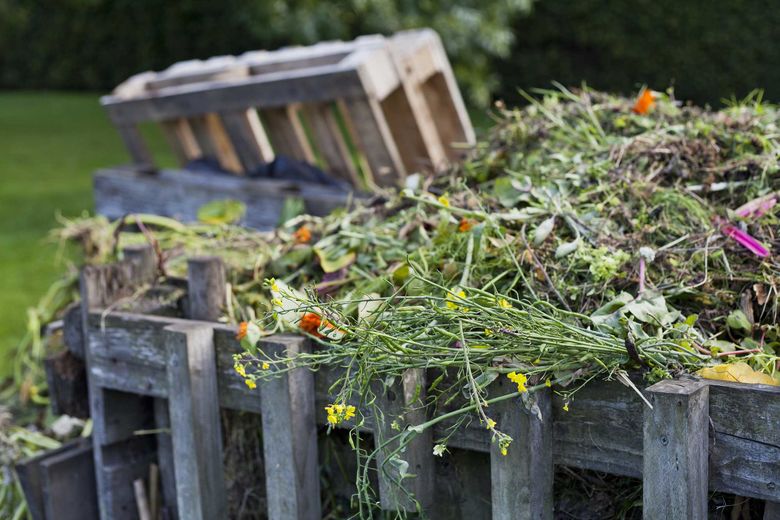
(50, 143)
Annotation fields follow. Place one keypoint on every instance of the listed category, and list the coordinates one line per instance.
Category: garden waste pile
(589, 237)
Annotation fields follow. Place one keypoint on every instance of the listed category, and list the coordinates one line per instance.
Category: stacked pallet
(368, 111)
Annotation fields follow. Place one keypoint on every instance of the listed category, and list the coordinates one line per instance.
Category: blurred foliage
(95, 44)
(708, 50)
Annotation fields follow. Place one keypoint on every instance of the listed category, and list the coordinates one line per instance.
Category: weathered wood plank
(320, 83)
(330, 142)
(772, 510)
(165, 458)
(674, 475)
(290, 437)
(248, 136)
(375, 140)
(402, 403)
(66, 378)
(206, 287)
(286, 133)
(179, 194)
(522, 479)
(223, 147)
(195, 425)
(182, 140)
(136, 146)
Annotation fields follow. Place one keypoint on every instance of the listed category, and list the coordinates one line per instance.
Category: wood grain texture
(674, 475)
(165, 458)
(206, 287)
(290, 437)
(193, 408)
(401, 403)
(179, 194)
(249, 138)
(522, 480)
(602, 431)
(287, 134)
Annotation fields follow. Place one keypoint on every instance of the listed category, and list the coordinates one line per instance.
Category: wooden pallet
(367, 111)
(176, 372)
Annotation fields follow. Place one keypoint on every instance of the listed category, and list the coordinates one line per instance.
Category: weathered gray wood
(601, 431)
(142, 261)
(676, 437)
(248, 137)
(165, 459)
(522, 480)
(206, 287)
(290, 437)
(195, 425)
(66, 378)
(71, 330)
(772, 510)
(402, 402)
(60, 484)
(136, 146)
(320, 83)
(376, 141)
(330, 142)
(179, 194)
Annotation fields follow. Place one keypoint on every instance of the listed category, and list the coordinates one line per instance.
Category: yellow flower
(488, 332)
(504, 304)
(250, 383)
(338, 413)
(548, 382)
(490, 424)
(239, 368)
(274, 286)
(454, 295)
(518, 379)
(444, 201)
(277, 302)
(566, 407)
(266, 366)
(504, 451)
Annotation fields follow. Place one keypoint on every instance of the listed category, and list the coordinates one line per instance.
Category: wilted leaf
(225, 211)
(543, 230)
(567, 248)
(737, 373)
(330, 265)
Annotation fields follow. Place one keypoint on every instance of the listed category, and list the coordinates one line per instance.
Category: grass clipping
(588, 238)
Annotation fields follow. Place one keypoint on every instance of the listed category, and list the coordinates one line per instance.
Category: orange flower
(310, 323)
(303, 235)
(465, 225)
(241, 330)
(644, 102)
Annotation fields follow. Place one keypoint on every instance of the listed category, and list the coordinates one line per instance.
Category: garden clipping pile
(590, 237)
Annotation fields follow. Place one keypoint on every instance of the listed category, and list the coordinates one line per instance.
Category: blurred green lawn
(50, 143)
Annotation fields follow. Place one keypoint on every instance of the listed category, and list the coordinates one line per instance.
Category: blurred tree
(95, 44)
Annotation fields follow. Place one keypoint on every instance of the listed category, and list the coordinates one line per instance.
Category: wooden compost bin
(171, 366)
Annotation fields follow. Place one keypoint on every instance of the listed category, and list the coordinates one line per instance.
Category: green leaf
(331, 265)
(738, 320)
(225, 211)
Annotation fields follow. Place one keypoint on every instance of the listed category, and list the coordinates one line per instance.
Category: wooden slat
(313, 84)
(182, 140)
(179, 194)
(226, 154)
(412, 127)
(290, 437)
(206, 287)
(165, 458)
(195, 425)
(330, 142)
(287, 134)
(522, 479)
(136, 146)
(676, 438)
(772, 511)
(402, 403)
(373, 135)
(248, 136)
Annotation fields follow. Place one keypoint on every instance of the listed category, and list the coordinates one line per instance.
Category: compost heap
(589, 237)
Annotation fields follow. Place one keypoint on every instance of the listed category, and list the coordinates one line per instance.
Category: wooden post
(402, 402)
(522, 480)
(136, 146)
(206, 287)
(193, 405)
(165, 458)
(290, 437)
(771, 510)
(143, 263)
(676, 442)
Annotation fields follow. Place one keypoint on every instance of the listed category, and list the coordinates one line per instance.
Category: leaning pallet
(168, 368)
(368, 111)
